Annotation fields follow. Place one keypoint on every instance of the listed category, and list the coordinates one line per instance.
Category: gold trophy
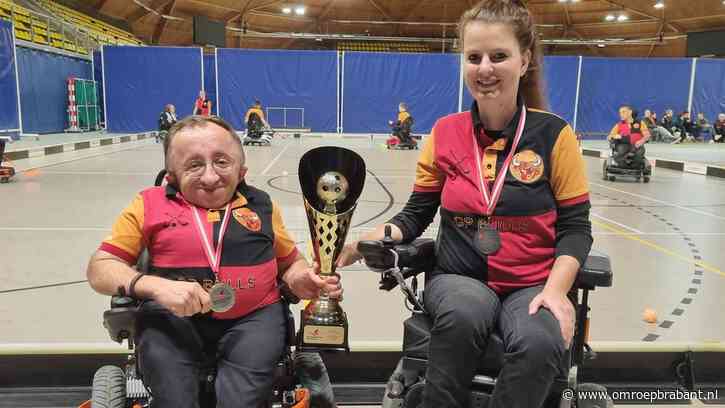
(332, 179)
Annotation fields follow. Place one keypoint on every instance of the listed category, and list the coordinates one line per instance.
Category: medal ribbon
(214, 257)
(490, 200)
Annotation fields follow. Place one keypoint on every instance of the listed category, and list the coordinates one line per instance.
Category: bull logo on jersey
(527, 166)
(248, 218)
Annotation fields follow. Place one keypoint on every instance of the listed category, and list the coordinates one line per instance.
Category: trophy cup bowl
(332, 179)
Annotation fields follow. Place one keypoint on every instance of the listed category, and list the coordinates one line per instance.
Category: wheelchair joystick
(388, 241)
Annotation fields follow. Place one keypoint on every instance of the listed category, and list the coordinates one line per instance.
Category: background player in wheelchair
(204, 296)
(626, 140)
(258, 130)
(402, 128)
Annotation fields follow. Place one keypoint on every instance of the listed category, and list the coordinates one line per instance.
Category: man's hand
(179, 297)
(561, 307)
(305, 282)
(349, 255)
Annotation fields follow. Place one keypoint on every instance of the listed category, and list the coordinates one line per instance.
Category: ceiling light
(300, 10)
(622, 17)
(610, 17)
(601, 45)
(287, 10)
(660, 4)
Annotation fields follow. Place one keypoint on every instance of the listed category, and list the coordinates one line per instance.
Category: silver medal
(222, 297)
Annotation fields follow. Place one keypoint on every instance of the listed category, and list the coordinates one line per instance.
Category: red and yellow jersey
(203, 106)
(635, 131)
(256, 239)
(547, 173)
(402, 116)
(254, 110)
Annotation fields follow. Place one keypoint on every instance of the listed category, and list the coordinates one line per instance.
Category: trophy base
(322, 337)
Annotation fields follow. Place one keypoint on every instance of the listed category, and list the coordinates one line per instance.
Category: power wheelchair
(623, 161)
(123, 387)
(6, 172)
(399, 262)
(256, 133)
(402, 138)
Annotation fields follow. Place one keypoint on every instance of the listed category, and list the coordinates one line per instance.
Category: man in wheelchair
(401, 128)
(218, 250)
(256, 125)
(167, 118)
(627, 139)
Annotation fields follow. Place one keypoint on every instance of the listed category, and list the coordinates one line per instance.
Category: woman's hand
(349, 255)
(562, 309)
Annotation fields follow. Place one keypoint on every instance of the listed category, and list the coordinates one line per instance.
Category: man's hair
(196, 121)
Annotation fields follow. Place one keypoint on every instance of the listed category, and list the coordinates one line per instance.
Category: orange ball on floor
(649, 315)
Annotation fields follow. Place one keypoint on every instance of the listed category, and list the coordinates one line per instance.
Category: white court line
(660, 201)
(636, 231)
(269, 166)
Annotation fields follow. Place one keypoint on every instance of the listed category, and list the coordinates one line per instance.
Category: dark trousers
(172, 350)
(465, 312)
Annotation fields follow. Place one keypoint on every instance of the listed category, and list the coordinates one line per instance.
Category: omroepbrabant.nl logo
(648, 395)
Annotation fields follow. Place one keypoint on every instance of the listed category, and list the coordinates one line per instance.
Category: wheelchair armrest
(419, 254)
(596, 271)
(120, 319)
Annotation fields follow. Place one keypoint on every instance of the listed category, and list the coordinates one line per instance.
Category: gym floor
(664, 238)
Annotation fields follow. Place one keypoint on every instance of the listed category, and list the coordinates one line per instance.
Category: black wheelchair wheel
(109, 388)
(604, 170)
(646, 179)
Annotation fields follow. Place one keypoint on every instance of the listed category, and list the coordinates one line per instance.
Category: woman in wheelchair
(514, 206)
(217, 248)
(627, 139)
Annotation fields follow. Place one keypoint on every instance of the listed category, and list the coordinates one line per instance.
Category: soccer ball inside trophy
(332, 179)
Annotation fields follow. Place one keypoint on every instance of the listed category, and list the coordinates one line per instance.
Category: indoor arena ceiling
(577, 27)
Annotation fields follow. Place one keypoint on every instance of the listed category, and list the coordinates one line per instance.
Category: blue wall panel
(141, 80)
(9, 114)
(607, 83)
(709, 95)
(292, 79)
(210, 81)
(375, 83)
(98, 77)
(43, 88)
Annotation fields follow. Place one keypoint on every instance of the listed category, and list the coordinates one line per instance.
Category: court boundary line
(704, 265)
(669, 204)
